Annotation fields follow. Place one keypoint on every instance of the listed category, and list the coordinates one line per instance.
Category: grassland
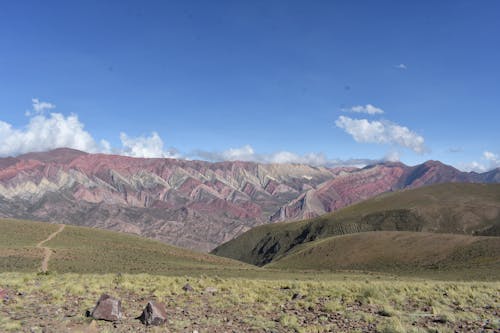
(468, 209)
(88, 250)
(405, 253)
(343, 303)
(88, 262)
(18, 241)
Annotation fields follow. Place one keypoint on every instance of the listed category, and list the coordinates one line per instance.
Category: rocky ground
(62, 303)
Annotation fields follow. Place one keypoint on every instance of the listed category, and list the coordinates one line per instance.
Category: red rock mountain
(193, 204)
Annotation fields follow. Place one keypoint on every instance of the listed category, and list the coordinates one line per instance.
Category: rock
(154, 314)
(107, 308)
(297, 296)
(4, 295)
(440, 320)
(384, 313)
(211, 290)
(187, 287)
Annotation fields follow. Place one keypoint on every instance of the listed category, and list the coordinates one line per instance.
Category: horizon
(282, 82)
(329, 166)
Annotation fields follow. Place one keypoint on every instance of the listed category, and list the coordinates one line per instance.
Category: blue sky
(258, 80)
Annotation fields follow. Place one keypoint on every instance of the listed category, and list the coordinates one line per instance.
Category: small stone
(297, 296)
(211, 290)
(440, 320)
(187, 287)
(107, 308)
(383, 313)
(154, 314)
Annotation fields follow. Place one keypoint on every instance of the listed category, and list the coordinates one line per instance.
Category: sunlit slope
(88, 250)
(469, 209)
(399, 252)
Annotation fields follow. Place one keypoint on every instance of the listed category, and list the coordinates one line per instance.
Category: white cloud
(401, 66)
(489, 156)
(393, 156)
(55, 130)
(247, 153)
(45, 133)
(41, 107)
(472, 166)
(368, 109)
(143, 146)
(490, 161)
(384, 132)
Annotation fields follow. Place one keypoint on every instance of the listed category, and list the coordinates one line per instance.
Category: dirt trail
(47, 251)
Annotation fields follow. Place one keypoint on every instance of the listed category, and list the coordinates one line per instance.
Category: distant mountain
(464, 209)
(362, 184)
(194, 204)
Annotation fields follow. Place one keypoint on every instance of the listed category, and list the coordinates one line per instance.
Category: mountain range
(195, 204)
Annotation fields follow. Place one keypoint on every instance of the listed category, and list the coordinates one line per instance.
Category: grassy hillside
(88, 250)
(400, 252)
(17, 244)
(445, 208)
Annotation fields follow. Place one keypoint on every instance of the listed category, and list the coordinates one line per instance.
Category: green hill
(399, 252)
(468, 209)
(88, 250)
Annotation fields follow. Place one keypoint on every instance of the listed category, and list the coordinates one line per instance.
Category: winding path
(47, 251)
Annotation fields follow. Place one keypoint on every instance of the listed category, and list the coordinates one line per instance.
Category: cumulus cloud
(489, 156)
(401, 66)
(368, 109)
(55, 130)
(384, 132)
(144, 146)
(45, 133)
(247, 153)
(392, 156)
(492, 160)
(41, 107)
(489, 161)
(472, 166)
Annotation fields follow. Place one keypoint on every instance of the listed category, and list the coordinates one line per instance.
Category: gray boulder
(107, 308)
(187, 287)
(154, 314)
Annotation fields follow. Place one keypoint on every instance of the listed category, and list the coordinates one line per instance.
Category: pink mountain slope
(193, 204)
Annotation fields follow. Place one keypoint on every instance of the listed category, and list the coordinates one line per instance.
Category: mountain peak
(58, 155)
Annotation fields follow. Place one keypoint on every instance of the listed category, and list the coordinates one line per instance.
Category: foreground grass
(346, 303)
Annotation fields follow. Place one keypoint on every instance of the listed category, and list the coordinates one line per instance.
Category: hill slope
(399, 252)
(194, 204)
(87, 250)
(470, 209)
